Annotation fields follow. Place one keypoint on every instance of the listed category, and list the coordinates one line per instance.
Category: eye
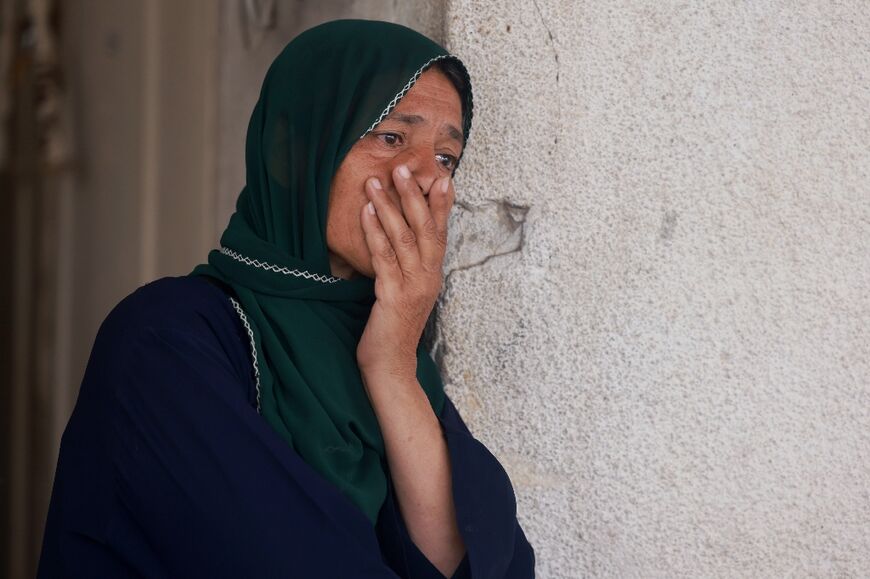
(450, 161)
(391, 139)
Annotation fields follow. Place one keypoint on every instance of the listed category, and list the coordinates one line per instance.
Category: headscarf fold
(328, 88)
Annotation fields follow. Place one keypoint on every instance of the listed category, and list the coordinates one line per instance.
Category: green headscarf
(328, 88)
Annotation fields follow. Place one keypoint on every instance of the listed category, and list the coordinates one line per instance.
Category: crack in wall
(552, 39)
(496, 228)
(558, 73)
(479, 233)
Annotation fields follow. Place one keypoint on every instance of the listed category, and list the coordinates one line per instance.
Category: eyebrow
(452, 131)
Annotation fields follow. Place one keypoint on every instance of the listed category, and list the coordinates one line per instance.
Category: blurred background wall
(656, 306)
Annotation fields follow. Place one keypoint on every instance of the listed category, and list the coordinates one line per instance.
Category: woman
(273, 414)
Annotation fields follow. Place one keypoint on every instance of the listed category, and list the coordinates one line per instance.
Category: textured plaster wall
(658, 295)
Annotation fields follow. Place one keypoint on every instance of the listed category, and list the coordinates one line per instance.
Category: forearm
(420, 465)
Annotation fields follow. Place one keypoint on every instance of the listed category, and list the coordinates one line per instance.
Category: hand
(407, 257)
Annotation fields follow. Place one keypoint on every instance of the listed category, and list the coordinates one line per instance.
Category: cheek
(344, 227)
(347, 200)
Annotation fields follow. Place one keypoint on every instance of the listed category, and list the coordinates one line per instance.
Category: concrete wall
(658, 295)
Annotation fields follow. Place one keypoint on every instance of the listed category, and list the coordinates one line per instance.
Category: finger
(419, 217)
(384, 259)
(441, 199)
(432, 251)
(401, 236)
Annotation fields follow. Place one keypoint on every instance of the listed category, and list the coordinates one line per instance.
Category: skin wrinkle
(454, 133)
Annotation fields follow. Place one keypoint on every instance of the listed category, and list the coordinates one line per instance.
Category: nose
(422, 164)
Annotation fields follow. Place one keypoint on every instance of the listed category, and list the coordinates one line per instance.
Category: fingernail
(445, 183)
(371, 208)
(376, 183)
(404, 172)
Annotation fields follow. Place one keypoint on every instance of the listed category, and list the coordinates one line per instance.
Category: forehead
(434, 97)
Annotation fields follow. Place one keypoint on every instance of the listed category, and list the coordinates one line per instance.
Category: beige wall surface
(671, 356)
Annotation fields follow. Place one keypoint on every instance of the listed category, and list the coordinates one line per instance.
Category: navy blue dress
(167, 470)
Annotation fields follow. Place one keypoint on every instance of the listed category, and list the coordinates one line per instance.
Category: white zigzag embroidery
(283, 270)
(250, 331)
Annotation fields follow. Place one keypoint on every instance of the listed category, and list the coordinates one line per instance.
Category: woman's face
(422, 132)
